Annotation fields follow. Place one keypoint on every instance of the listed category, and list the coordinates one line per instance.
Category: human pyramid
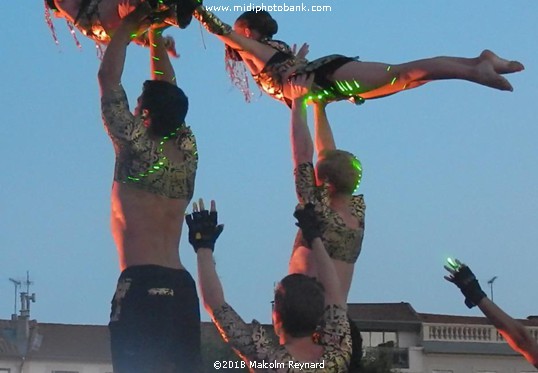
(155, 321)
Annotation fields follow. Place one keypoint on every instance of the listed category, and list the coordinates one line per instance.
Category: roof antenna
(16, 284)
(26, 297)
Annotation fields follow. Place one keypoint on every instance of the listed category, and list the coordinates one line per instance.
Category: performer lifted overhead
(99, 19)
(337, 77)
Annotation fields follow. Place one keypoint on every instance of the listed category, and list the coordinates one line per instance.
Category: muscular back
(153, 184)
(146, 227)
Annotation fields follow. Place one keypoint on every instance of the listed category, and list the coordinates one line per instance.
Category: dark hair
(83, 10)
(167, 105)
(260, 21)
(184, 11)
(300, 303)
(50, 4)
(341, 169)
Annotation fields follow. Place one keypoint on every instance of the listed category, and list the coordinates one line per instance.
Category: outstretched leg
(380, 79)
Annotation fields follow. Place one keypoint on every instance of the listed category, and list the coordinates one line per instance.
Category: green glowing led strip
(160, 161)
(358, 166)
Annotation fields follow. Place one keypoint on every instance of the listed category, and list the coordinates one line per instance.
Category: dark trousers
(356, 347)
(155, 322)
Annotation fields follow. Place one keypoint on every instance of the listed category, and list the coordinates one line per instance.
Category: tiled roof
(74, 342)
(90, 343)
(393, 312)
(80, 343)
(404, 313)
(6, 348)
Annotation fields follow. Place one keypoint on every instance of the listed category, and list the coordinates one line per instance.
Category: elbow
(301, 157)
(103, 75)
(107, 74)
(307, 153)
(208, 306)
(521, 341)
(526, 343)
(212, 301)
(211, 305)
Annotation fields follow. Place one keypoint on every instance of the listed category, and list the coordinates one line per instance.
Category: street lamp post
(490, 283)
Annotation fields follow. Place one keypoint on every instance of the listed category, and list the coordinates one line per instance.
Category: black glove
(309, 223)
(465, 279)
(203, 229)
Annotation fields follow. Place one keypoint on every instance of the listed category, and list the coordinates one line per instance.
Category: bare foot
(488, 76)
(500, 65)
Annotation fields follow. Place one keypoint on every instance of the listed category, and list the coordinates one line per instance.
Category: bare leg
(379, 79)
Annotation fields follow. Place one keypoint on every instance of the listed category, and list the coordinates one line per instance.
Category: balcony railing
(466, 333)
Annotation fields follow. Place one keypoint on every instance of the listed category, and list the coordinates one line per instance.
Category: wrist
(204, 246)
(204, 252)
(299, 102)
(155, 34)
(319, 107)
(473, 293)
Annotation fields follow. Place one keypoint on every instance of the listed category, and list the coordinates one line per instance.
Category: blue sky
(449, 168)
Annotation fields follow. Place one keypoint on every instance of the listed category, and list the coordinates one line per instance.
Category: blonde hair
(341, 169)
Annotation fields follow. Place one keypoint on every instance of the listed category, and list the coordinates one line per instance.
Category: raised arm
(327, 274)
(309, 223)
(208, 281)
(323, 135)
(203, 232)
(259, 52)
(515, 334)
(113, 62)
(220, 29)
(302, 148)
(161, 67)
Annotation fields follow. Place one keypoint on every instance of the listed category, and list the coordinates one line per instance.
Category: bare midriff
(345, 275)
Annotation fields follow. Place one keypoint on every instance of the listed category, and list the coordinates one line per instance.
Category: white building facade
(428, 343)
(414, 342)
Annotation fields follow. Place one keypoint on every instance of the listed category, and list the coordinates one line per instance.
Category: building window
(379, 339)
(64, 371)
(5, 370)
(384, 346)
